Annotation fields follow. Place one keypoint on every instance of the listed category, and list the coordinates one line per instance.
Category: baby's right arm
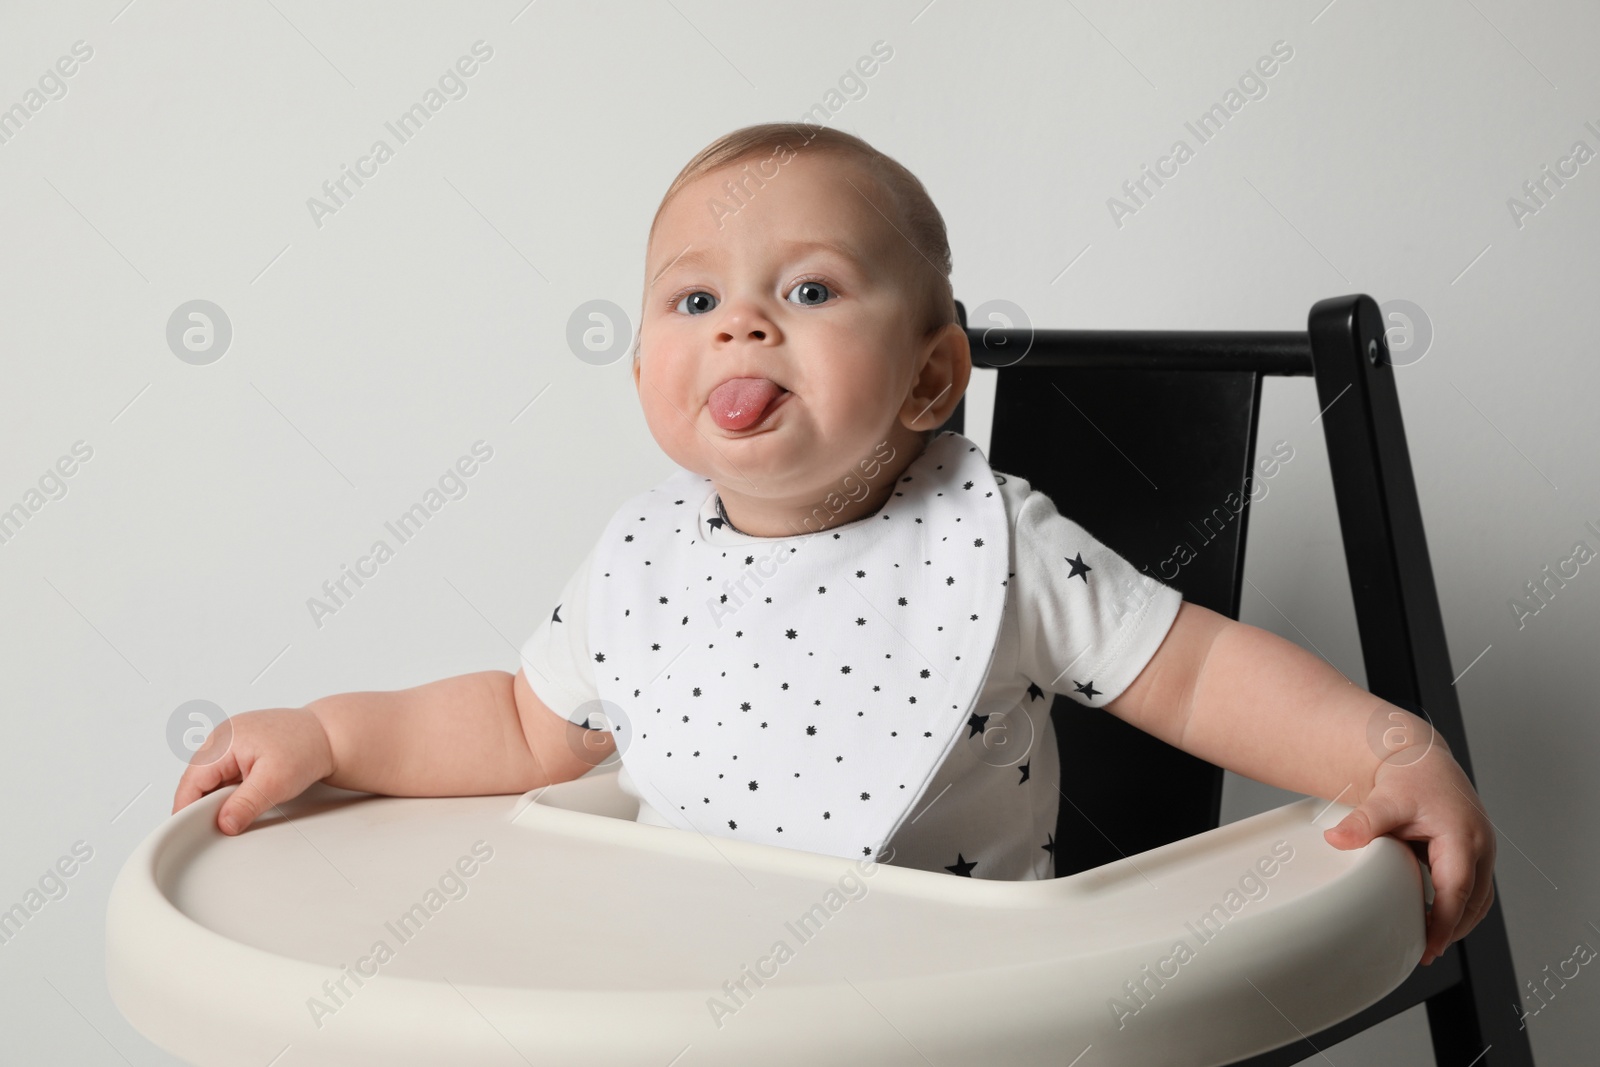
(470, 735)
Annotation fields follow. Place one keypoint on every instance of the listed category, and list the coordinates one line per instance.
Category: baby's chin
(810, 475)
(787, 458)
(766, 465)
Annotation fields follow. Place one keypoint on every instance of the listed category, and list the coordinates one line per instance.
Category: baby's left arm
(1250, 701)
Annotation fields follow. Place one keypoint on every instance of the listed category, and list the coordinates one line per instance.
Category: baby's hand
(274, 754)
(1431, 801)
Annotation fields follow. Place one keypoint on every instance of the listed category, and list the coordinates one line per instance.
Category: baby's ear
(943, 379)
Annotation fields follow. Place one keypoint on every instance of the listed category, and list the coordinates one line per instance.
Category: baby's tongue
(740, 402)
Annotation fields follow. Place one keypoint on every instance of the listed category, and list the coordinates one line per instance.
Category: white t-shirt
(1079, 619)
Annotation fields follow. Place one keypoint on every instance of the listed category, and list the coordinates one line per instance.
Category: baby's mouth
(740, 403)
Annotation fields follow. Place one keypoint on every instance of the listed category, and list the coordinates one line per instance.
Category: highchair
(551, 928)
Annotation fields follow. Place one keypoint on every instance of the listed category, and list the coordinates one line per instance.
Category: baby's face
(808, 291)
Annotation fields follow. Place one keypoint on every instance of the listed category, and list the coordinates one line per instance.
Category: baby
(836, 628)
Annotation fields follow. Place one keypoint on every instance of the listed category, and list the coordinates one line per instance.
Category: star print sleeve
(1088, 619)
(556, 658)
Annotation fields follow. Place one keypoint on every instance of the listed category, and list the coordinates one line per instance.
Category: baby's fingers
(1451, 865)
(264, 785)
(213, 765)
(1482, 897)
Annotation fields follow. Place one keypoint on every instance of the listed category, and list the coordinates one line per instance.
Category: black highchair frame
(1135, 435)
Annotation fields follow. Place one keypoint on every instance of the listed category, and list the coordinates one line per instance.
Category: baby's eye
(811, 293)
(699, 301)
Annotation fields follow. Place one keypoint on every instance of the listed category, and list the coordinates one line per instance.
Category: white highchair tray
(550, 928)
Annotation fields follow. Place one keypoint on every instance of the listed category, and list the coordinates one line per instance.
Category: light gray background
(432, 309)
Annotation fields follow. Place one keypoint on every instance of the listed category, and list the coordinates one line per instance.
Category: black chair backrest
(1145, 460)
(1155, 462)
(1147, 439)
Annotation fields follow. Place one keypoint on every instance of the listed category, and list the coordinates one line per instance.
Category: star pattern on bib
(802, 736)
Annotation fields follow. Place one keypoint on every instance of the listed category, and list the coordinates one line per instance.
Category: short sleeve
(556, 658)
(1088, 619)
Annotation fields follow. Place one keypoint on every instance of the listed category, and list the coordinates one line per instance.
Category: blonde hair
(918, 218)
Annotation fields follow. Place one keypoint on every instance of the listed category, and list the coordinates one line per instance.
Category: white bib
(800, 692)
